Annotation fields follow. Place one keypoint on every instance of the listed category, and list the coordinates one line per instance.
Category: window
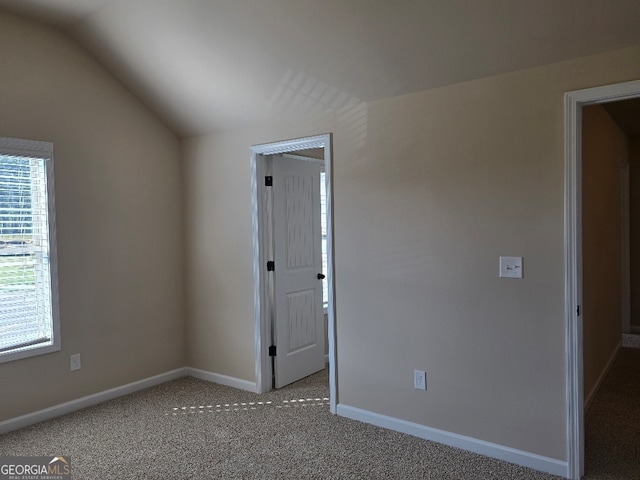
(323, 220)
(29, 319)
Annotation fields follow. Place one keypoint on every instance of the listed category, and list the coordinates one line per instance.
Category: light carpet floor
(192, 429)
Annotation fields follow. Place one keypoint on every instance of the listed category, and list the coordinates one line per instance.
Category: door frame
(574, 102)
(262, 319)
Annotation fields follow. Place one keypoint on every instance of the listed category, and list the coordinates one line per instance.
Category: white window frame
(44, 151)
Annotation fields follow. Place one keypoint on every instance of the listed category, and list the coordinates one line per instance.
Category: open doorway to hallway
(611, 287)
(575, 102)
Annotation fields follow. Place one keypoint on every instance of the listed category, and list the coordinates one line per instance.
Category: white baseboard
(630, 340)
(84, 402)
(222, 379)
(500, 452)
(603, 374)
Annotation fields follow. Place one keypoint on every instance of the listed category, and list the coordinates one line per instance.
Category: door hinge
(272, 351)
(271, 266)
(578, 310)
(268, 181)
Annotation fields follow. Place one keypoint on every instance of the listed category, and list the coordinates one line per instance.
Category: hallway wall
(605, 150)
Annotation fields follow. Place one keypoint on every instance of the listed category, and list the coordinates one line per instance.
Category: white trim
(261, 320)
(53, 253)
(305, 143)
(221, 379)
(259, 277)
(84, 402)
(331, 306)
(493, 450)
(574, 101)
(93, 399)
(573, 291)
(605, 371)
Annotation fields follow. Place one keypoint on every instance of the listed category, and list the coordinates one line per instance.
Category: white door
(297, 236)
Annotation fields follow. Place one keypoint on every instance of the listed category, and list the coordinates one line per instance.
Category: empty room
(303, 239)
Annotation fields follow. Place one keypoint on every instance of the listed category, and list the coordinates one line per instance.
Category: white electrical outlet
(75, 362)
(419, 379)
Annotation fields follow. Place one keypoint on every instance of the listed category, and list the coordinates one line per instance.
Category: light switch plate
(511, 267)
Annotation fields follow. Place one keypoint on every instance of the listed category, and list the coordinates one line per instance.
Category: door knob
(320, 276)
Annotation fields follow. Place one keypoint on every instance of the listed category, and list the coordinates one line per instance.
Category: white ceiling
(207, 65)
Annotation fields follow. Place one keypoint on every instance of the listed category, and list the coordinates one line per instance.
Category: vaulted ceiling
(208, 65)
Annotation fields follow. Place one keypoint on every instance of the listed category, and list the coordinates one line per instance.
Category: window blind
(26, 319)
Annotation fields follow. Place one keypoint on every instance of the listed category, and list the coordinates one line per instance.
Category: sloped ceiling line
(210, 65)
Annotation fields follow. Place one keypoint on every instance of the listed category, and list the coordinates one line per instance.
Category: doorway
(574, 104)
(262, 160)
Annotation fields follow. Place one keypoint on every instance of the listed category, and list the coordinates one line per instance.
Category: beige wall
(634, 227)
(605, 150)
(118, 204)
(429, 190)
